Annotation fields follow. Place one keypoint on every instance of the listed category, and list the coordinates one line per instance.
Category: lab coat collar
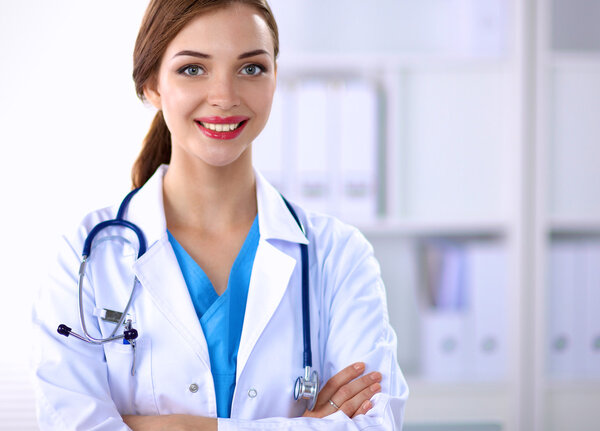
(146, 209)
(274, 219)
(270, 274)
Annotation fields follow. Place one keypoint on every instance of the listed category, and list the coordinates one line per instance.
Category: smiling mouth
(221, 127)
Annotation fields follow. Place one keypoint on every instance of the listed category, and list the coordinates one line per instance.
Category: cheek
(262, 99)
(178, 97)
(179, 101)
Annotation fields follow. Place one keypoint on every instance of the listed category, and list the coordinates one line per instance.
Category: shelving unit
(452, 166)
(567, 205)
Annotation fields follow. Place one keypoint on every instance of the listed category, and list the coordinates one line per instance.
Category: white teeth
(220, 127)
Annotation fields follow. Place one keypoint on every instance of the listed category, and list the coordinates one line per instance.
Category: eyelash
(183, 70)
(262, 69)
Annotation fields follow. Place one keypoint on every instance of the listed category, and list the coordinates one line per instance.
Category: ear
(152, 95)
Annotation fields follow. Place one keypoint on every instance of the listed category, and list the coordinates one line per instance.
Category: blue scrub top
(221, 317)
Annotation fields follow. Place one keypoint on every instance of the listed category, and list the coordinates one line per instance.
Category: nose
(223, 92)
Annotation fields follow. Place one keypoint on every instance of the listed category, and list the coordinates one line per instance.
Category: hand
(170, 423)
(348, 392)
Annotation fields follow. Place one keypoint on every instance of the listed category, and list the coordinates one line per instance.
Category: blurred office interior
(461, 136)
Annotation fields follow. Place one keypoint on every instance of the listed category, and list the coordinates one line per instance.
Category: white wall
(71, 127)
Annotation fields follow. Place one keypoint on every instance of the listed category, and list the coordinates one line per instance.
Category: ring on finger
(334, 405)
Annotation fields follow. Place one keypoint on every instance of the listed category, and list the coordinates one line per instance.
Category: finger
(351, 389)
(353, 406)
(364, 408)
(343, 377)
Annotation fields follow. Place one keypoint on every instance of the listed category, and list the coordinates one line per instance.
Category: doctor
(217, 294)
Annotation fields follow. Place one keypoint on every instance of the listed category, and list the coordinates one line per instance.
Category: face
(215, 85)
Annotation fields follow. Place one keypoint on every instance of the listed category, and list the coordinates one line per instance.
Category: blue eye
(252, 69)
(192, 70)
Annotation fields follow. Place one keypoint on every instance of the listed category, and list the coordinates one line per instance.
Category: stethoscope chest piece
(307, 388)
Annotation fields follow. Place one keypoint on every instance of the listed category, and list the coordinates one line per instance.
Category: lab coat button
(193, 388)
(252, 393)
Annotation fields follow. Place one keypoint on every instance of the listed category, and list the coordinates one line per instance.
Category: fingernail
(375, 387)
(359, 366)
(375, 376)
(367, 405)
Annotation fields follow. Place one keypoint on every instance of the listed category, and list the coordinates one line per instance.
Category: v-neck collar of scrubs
(221, 317)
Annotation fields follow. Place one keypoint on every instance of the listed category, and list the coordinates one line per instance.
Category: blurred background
(461, 136)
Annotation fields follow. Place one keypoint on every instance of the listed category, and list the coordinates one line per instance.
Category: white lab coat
(86, 387)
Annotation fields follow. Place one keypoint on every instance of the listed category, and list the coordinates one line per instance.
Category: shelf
(318, 64)
(465, 402)
(574, 226)
(581, 386)
(569, 59)
(573, 405)
(417, 228)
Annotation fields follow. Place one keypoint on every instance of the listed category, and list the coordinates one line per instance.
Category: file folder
(359, 132)
(565, 283)
(487, 283)
(268, 147)
(591, 313)
(314, 126)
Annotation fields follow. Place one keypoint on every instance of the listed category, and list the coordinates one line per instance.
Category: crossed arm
(349, 389)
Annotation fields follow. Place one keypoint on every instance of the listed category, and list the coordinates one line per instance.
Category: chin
(223, 160)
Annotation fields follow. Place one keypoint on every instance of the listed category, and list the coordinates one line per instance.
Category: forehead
(236, 28)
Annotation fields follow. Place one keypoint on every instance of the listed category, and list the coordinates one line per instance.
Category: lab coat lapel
(159, 273)
(272, 267)
(160, 276)
(158, 269)
(270, 277)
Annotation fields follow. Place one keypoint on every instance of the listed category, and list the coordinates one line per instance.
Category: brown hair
(163, 20)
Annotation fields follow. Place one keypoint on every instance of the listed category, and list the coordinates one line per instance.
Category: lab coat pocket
(132, 394)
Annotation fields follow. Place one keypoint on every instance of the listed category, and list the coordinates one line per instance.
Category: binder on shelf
(565, 289)
(444, 317)
(268, 147)
(359, 129)
(465, 311)
(591, 307)
(487, 283)
(314, 126)
(443, 345)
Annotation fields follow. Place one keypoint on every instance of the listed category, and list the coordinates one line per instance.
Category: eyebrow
(202, 55)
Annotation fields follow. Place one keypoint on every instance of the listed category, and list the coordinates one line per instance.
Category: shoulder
(144, 208)
(334, 242)
(75, 237)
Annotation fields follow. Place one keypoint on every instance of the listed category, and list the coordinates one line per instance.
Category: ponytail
(156, 151)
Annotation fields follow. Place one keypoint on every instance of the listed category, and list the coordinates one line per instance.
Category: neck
(207, 198)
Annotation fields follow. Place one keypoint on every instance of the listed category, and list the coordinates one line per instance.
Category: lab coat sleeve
(69, 376)
(354, 327)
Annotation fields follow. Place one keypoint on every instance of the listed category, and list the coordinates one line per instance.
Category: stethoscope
(306, 387)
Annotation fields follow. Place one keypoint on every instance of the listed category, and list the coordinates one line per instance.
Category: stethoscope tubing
(87, 247)
(306, 387)
(86, 335)
(307, 356)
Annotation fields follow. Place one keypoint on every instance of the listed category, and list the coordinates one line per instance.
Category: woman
(217, 293)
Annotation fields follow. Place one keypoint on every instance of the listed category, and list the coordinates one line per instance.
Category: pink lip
(222, 120)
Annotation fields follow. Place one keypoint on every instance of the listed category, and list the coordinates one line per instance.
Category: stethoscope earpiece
(63, 330)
